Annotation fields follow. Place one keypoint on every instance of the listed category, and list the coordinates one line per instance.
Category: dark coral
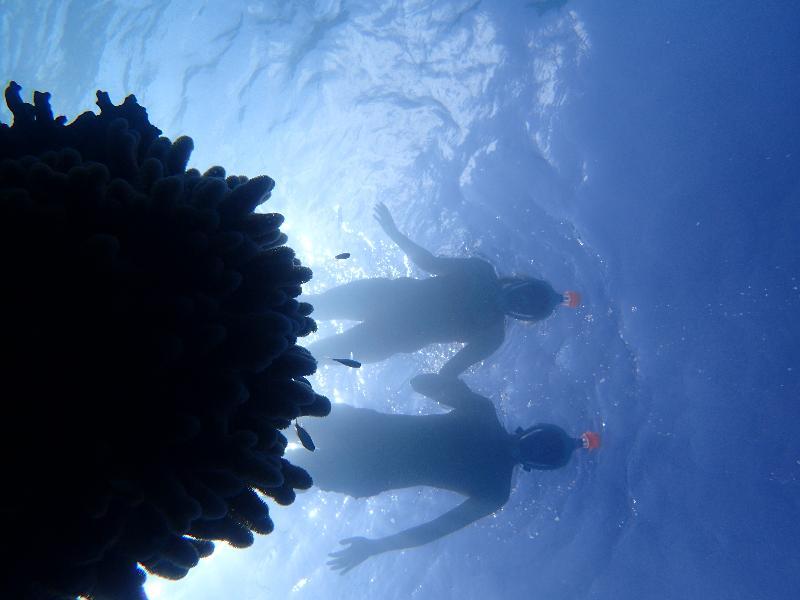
(149, 329)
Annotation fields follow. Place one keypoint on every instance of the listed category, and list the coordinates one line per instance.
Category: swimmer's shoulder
(478, 267)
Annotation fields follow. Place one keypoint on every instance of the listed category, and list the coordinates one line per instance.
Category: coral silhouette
(149, 329)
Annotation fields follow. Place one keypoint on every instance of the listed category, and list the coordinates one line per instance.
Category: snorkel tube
(571, 298)
(590, 440)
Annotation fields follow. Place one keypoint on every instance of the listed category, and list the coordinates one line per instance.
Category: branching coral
(149, 329)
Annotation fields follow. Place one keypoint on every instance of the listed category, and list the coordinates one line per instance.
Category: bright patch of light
(579, 27)
(546, 71)
(204, 574)
(542, 140)
(300, 584)
(466, 175)
(306, 249)
(337, 396)
(155, 588)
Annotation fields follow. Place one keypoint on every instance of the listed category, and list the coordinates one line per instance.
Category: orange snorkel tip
(591, 440)
(571, 299)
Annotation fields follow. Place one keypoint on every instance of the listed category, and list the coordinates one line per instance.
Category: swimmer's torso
(454, 306)
(362, 452)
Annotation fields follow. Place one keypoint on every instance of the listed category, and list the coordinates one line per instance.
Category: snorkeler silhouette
(464, 302)
(361, 452)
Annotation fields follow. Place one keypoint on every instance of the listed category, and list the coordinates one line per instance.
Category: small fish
(348, 362)
(305, 439)
(342, 256)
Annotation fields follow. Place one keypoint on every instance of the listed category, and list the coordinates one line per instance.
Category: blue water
(644, 153)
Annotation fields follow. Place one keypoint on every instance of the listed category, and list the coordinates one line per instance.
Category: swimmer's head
(529, 299)
(546, 447)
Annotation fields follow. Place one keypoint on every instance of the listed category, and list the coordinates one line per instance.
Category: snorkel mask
(529, 299)
(555, 446)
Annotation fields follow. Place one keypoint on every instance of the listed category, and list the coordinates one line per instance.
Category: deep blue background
(691, 109)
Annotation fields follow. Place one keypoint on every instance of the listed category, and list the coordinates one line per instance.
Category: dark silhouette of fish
(305, 439)
(343, 255)
(348, 362)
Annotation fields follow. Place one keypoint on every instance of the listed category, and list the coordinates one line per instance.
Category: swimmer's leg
(346, 460)
(356, 301)
(366, 342)
(333, 475)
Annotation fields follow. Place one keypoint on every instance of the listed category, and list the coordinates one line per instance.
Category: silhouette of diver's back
(361, 452)
(462, 303)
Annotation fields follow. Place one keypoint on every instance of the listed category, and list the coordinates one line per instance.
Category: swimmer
(361, 452)
(464, 301)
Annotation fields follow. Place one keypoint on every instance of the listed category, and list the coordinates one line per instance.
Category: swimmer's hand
(385, 220)
(358, 550)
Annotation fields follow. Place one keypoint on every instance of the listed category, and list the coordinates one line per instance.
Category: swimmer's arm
(462, 515)
(359, 549)
(421, 257)
(449, 391)
(475, 351)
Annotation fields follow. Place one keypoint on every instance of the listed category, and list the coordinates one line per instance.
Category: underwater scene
(400, 299)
